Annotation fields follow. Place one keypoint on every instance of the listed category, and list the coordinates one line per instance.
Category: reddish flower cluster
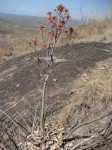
(50, 33)
(50, 20)
(60, 8)
(59, 20)
(53, 17)
(34, 42)
(41, 27)
(60, 25)
(57, 23)
(45, 45)
(68, 17)
(49, 13)
(70, 30)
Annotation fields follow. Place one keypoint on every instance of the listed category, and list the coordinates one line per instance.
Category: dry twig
(86, 123)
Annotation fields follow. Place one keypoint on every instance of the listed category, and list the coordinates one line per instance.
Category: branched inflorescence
(56, 20)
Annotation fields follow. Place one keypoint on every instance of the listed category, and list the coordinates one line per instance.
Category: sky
(40, 7)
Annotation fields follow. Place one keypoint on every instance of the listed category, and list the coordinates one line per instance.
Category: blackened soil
(20, 82)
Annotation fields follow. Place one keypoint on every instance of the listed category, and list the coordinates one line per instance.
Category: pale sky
(40, 7)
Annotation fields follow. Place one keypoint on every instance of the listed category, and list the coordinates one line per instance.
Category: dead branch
(83, 142)
(10, 137)
(75, 138)
(11, 120)
(86, 123)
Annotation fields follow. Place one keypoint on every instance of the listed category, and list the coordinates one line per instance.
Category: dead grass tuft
(94, 29)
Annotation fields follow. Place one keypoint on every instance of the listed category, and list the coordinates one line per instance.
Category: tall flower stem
(42, 121)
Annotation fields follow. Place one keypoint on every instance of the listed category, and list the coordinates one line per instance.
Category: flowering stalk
(57, 22)
(41, 27)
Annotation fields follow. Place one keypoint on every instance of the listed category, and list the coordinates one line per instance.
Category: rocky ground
(78, 90)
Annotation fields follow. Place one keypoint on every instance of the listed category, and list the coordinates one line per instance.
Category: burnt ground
(21, 85)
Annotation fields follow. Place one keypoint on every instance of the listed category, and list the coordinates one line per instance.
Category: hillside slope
(79, 87)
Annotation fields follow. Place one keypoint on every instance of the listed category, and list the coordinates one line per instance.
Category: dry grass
(14, 43)
(94, 29)
(92, 88)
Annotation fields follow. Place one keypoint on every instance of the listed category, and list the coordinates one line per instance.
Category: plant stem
(42, 121)
(43, 37)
